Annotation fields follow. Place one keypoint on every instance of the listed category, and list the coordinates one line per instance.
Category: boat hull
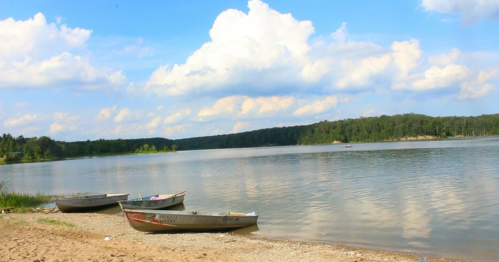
(146, 203)
(76, 204)
(169, 221)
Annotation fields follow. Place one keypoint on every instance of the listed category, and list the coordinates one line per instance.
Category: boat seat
(235, 214)
(166, 196)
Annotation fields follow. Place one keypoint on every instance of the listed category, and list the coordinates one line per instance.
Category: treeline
(28, 149)
(117, 146)
(278, 136)
(364, 129)
(398, 127)
(44, 148)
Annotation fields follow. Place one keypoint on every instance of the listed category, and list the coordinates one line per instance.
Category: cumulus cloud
(105, 113)
(20, 121)
(36, 38)
(441, 77)
(65, 69)
(153, 123)
(341, 34)
(444, 73)
(35, 54)
(478, 87)
(239, 107)
(227, 106)
(470, 10)
(362, 73)
(262, 44)
(445, 59)
(268, 54)
(123, 115)
(243, 108)
(177, 116)
(265, 105)
(317, 107)
(406, 55)
(63, 122)
(56, 127)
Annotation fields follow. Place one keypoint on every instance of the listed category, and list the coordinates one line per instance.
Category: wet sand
(26, 237)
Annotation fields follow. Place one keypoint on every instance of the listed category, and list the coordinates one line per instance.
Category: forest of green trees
(44, 148)
(397, 127)
(364, 129)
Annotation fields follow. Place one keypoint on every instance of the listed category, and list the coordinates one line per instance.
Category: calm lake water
(428, 197)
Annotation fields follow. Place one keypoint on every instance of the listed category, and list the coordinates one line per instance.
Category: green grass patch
(53, 222)
(22, 200)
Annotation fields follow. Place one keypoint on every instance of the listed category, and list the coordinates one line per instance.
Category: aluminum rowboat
(169, 220)
(75, 204)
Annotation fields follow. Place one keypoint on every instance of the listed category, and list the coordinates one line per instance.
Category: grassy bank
(19, 201)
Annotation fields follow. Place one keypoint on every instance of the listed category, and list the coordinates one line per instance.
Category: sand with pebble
(103, 237)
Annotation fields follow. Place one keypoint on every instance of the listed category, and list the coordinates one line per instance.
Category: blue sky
(78, 70)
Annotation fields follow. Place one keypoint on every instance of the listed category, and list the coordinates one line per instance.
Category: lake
(427, 197)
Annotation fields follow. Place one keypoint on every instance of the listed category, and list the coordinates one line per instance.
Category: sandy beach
(82, 237)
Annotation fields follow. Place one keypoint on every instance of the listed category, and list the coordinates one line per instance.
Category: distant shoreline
(4, 161)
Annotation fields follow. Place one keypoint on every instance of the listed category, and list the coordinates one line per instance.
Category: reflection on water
(246, 230)
(430, 197)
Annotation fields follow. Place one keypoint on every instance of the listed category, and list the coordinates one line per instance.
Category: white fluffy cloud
(60, 71)
(57, 127)
(469, 10)
(445, 59)
(406, 56)
(362, 73)
(123, 115)
(317, 107)
(244, 108)
(36, 38)
(177, 116)
(154, 123)
(227, 106)
(105, 113)
(478, 87)
(266, 53)
(266, 105)
(63, 122)
(442, 77)
(35, 54)
(20, 121)
(262, 50)
(445, 72)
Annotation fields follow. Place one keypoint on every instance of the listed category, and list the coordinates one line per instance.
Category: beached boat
(74, 204)
(153, 202)
(169, 220)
